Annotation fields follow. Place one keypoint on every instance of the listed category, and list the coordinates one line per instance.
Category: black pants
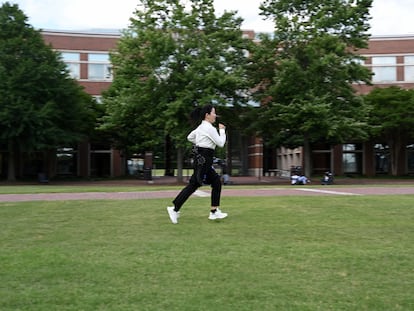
(208, 175)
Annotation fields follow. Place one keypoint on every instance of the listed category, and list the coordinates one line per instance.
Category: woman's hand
(222, 126)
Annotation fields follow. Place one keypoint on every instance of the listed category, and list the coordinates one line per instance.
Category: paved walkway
(274, 190)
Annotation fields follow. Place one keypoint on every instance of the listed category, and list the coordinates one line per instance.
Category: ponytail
(196, 115)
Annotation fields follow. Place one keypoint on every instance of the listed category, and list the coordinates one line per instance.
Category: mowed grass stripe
(271, 253)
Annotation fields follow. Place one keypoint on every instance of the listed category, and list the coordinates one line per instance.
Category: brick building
(391, 58)
(87, 57)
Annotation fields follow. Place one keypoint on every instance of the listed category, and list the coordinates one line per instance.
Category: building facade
(391, 59)
(87, 57)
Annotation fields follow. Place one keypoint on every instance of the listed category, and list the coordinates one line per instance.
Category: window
(409, 68)
(99, 67)
(410, 158)
(352, 158)
(382, 158)
(384, 69)
(72, 61)
(98, 99)
(66, 161)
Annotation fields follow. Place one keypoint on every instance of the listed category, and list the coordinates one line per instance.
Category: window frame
(99, 67)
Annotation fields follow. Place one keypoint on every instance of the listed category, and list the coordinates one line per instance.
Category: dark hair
(197, 115)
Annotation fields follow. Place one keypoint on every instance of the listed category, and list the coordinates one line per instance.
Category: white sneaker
(173, 214)
(217, 215)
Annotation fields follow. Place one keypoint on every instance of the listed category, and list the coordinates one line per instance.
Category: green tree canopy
(305, 70)
(41, 107)
(391, 120)
(172, 58)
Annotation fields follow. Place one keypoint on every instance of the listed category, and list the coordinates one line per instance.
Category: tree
(41, 107)
(391, 119)
(304, 73)
(172, 58)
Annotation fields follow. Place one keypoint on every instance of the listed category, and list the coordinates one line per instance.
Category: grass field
(271, 253)
(76, 188)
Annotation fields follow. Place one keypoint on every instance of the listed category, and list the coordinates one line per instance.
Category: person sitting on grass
(299, 179)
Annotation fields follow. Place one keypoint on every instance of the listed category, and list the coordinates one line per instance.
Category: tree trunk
(180, 164)
(307, 158)
(11, 170)
(395, 146)
(169, 170)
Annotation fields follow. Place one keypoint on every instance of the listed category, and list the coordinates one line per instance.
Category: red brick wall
(94, 88)
(398, 46)
(255, 153)
(389, 45)
(84, 41)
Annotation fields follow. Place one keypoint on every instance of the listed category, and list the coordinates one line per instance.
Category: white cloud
(77, 14)
(389, 16)
(248, 10)
(97, 14)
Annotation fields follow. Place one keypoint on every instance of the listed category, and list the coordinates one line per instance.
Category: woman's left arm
(219, 138)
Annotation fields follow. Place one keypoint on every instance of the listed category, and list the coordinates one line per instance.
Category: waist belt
(205, 151)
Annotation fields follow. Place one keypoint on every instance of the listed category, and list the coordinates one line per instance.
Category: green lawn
(77, 188)
(271, 253)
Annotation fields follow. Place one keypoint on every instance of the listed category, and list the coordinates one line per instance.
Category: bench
(279, 173)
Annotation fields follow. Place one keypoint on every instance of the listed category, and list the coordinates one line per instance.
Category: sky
(389, 17)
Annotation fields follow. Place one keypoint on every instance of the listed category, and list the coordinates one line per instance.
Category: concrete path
(205, 192)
